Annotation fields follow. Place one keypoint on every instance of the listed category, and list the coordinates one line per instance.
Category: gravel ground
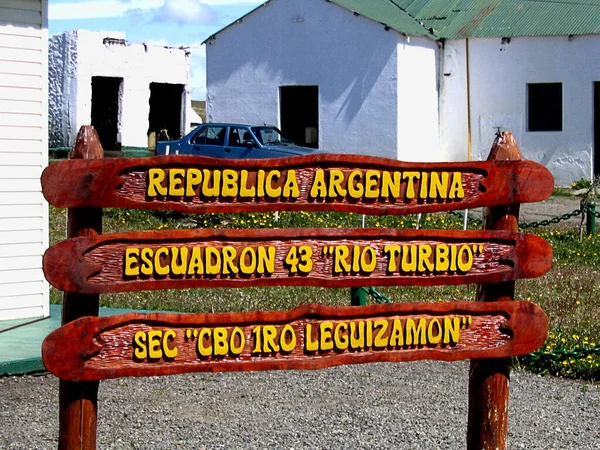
(419, 405)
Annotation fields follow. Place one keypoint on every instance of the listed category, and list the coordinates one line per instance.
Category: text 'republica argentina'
(329, 184)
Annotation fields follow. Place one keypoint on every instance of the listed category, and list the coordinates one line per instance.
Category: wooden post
(489, 378)
(78, 401)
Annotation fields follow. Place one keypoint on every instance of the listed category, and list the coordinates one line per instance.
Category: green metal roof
(458, 19)
(386, 12)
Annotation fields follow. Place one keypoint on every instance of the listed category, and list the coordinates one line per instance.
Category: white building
(23, 156)
(124, 90)
(417, 80)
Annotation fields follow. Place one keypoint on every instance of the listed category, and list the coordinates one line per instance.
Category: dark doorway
(299, 109)
(106, 110)
(596, 128)
(165, 110)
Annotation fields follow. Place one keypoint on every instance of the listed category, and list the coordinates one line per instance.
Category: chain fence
(542, 356)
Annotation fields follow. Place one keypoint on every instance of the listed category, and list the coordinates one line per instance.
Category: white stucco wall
(77, 56)
(499, 74)
(418, 117)
(353, 60)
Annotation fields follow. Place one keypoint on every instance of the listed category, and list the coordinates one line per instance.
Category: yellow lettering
(269, 334)
(451, 330)
(425, 263)
(176, 182)
(416, 334)
(245, 190)
(196, 267)
(380, 338)
(139, 350)
(336, 178)
(340, 336)
(355, 188)
(291, 189)
(247, 261)
(287, 344)
(147, 255)
(396, 336)
(391, 187)
(272, 179)
(318, 188)
(442, 260)
(393, 251)
(409, 266)
(410, 185)
(179, 269)
(438, 188)
(326, 336)
(192, 181)
(158, 267)
(230, 179)
(341, 254)
(310, 344)
(229, 254)
(237, 335)
(423, 189)
(207, 190)
(155, 179)
(203, 335)
(371, 181)
(465, 265)
(357, 340)
(154, 351)
(212, 261)
(372, 257)
(266, 261)
(132, 267)
(220, 346)
(170, 353)
(434, 325)
(456, 188)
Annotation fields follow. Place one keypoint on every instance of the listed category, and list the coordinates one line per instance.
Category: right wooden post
(489, 378)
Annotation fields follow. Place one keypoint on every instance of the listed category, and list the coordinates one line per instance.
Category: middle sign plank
(320, 182)
(288, 257)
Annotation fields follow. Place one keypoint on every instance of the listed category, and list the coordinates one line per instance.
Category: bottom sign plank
(308, 337)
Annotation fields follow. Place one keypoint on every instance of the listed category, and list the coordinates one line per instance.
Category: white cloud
(185, 12)
(98, 9)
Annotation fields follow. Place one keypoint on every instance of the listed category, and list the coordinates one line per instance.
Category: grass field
(569, 293)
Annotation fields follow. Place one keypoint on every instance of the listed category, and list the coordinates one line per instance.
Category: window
(210, 136)
(544, 106)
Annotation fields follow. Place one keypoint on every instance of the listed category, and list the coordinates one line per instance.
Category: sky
(160, 22)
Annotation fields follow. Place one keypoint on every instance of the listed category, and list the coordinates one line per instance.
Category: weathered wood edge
(94, 183)
(66, 357)
(65, 269)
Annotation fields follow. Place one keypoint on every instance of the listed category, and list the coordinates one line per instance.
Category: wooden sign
(351, 183)
(288, 257)
(309, 337)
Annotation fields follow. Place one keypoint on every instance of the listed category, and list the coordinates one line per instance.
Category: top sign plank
(350, 183)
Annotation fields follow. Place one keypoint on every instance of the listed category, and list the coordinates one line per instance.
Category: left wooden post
(78, 401)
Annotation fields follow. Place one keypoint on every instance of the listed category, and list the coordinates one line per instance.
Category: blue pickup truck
(235, 141)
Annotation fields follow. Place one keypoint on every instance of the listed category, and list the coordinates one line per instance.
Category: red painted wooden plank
(309, 337)
(322, 182)
(288, 257)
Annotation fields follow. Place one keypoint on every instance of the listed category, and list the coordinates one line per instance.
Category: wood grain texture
(78, 402)
(124, 183)
(487, 427)
(98, 264)
(95, 348)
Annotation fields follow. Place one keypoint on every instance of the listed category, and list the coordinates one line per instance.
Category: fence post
(489, 378)
(358, 296)
(78, 400)
(591, 218)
